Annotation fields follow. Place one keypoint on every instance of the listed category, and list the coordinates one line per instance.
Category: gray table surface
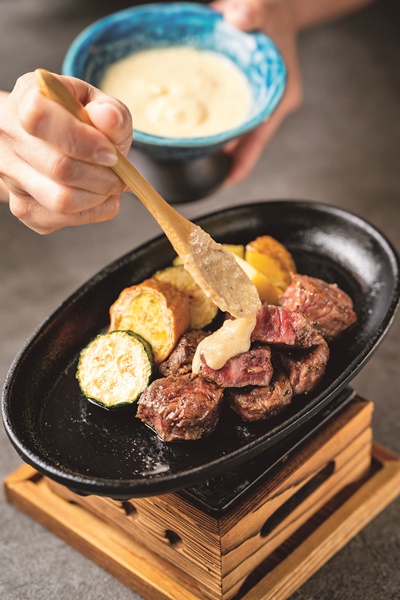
(341, 148)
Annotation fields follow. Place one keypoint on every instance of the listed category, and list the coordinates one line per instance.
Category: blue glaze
(181, 24)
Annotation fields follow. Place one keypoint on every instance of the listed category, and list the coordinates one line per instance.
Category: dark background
(341, 148)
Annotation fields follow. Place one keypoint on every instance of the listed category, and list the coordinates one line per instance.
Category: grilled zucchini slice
(156, 310)
(202, 309)
(115, 368)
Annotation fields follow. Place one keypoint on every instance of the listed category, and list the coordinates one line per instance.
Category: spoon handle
(174, 225)
(205, 260)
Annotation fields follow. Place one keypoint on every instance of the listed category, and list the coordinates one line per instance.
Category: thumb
(112, 118)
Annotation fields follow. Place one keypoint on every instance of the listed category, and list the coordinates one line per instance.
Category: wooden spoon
(213, 267)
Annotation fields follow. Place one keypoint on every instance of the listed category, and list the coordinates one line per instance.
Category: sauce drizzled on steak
(287, 357)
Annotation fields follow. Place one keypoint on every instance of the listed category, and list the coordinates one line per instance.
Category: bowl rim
(140, 137)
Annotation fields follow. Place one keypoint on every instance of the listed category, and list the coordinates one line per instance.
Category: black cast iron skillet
(94, 451)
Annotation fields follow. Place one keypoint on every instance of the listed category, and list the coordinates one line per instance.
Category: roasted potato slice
(115, 368)
(154, 309)
(237, 249)
(177, 262)
(202, 309)
(271, 258)
(269, 292)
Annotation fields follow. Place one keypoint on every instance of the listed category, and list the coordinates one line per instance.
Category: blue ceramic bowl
(176, 24)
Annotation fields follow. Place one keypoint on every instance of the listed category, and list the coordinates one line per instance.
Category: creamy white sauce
(231, 339)
(216, 271)
(180, 92)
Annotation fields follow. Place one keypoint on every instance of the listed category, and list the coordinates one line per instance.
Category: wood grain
(166, 547)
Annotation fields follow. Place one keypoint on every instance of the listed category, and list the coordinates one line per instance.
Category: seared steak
(326, 305)
(278, 325)
(184, 407)
(179, 361)
(249, 368)
(255, 403)
(305, 367)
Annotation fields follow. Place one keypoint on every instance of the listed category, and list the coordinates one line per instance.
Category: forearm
(309, 13)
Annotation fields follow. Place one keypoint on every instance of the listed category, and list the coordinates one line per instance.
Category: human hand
(277, 20)
(55, 167)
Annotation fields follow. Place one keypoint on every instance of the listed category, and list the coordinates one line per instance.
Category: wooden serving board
(166, 548)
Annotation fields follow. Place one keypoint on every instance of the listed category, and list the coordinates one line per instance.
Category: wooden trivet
(165, 547)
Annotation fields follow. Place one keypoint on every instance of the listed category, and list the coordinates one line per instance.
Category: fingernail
(105, 157)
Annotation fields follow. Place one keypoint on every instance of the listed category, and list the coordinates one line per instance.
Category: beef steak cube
(183, 407)
(278, 325)
(305, 367)
(180, 360)
(325, 304)
(256, 403)
(248, 368)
